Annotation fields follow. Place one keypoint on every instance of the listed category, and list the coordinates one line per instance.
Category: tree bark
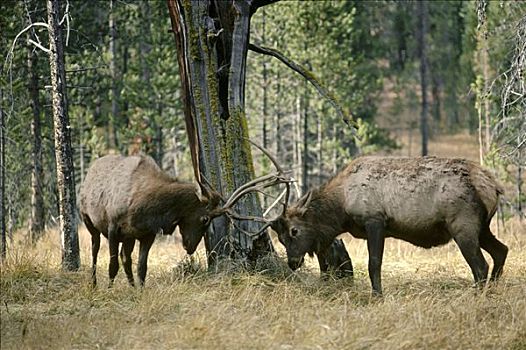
(36, 226)
(3, 248)
(519, 188)
(422, 32)
(64, 153)
(305, 155)
(338, 260)
(319, 137)
(212, 62)
(435, 92)
(279, 146)
(115, 91)
(483, 86)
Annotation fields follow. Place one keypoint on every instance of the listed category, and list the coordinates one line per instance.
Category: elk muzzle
(295, 262)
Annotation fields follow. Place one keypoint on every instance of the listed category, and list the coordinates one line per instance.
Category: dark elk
(426, 201)
(131, 198)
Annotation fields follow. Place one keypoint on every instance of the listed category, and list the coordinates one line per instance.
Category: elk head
(194, 225)
(296, 232)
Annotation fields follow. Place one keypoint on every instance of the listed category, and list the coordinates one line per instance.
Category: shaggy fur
(130, 198)
(426, 201)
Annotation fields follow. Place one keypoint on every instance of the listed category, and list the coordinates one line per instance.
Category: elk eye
(293, 232)
(205, 220)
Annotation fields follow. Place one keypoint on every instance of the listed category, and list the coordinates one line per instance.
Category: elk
(426, 201)
(131, 198)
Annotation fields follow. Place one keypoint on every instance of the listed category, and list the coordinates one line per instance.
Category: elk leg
(323, 263)
(375, 246)
(113, 243)
(496, 249)
(146, 244)
(95, 246)
(470, 249)
(126, 251)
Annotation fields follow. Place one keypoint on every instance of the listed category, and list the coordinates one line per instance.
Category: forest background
(124, 89)
(440, 77)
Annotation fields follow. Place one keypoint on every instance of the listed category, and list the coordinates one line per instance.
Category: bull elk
(131, 198)
(426, 201)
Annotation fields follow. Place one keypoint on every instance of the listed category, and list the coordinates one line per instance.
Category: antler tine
(261, 230)
(270, 156)
(238, 216)
(256, 187)
(275, 202)
(249, 186)
(280, 171)
(211, 187)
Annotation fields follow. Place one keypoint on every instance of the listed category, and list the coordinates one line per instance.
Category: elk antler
(280, 171)
(264, 181)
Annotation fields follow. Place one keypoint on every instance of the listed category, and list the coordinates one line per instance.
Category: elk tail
(487, 187)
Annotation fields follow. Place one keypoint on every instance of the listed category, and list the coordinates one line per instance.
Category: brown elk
(131, 198)
(426, 201)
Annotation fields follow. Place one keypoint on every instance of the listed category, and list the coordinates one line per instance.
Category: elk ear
(278, 224)
(303, 202)
(202, 193)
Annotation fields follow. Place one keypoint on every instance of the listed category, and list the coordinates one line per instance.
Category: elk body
(131, 198)
(426, 201)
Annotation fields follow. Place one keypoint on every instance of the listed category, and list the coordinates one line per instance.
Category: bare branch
(310, 78)
(10, 53)
(46, 50)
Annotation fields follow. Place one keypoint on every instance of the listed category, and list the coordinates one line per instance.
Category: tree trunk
(115, 92)
(519, 188)
(266, 83)
(36, 226)
(64, 153)
(124, 113)
(338, 260)
(319, 137)
(305, 155)
(422, 32)
(435, 92)
(279, 146)
(3, 248)
(482, 86)
(212, 61)
(212, 68)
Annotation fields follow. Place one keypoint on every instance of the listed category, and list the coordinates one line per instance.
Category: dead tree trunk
(482, 88)
(3, 213)
(36, 226)
(212, 40)
(422, 32)
(305, 155)
(64, 153)
(115, 91)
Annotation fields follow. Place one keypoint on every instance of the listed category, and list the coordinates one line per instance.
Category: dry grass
(456, 145)
(429, 303)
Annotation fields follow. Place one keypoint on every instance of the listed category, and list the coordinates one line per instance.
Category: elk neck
(326, 214)
(168, 200)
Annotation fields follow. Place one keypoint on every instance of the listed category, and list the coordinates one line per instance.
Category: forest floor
(429, 301)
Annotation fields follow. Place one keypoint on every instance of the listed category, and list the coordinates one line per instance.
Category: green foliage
(372, 138)
(364, 53)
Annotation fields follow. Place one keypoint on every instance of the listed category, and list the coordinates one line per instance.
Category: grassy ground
(429, 303)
